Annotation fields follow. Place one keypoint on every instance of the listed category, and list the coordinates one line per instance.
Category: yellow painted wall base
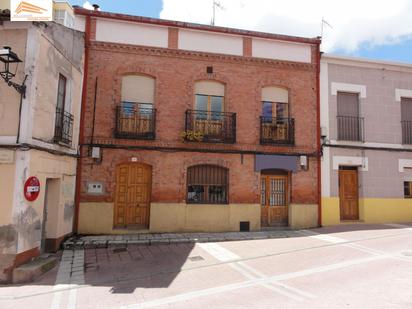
(97, 218)
(302, 216)
(166, 217)
(330, 211)
(371, 210)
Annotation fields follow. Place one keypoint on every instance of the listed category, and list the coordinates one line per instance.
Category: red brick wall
(247, 46)
(173, 38)
(176, 73)
(169, 175)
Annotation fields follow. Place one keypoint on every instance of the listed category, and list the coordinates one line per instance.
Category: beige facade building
(38, 138)
(366, 119)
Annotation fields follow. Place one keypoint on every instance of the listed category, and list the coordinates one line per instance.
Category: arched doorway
(133, 191)
(274, 199)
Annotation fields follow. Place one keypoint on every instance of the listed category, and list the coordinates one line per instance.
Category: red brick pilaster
(173, 39)
(247, 46)
(92, 29)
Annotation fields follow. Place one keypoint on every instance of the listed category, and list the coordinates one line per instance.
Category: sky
(374, 29)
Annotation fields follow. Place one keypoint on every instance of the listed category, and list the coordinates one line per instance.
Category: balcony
(278, 131)
(63, 130)
(406, 132)
(135, 123)
(211, 127)
(350, 128)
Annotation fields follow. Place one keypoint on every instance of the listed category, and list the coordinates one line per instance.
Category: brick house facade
(137, 159)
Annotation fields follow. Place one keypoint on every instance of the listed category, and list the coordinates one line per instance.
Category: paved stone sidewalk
(104, 241)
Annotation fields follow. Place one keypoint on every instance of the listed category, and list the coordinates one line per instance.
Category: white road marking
(273, 288)
(224, 255)
(219, 252)
(56, 300)
(250, 283)
(65, 279)
(324, 237)
(261, 275)
(239, 269)
(76, 279)
(346, 243)
(400, 226)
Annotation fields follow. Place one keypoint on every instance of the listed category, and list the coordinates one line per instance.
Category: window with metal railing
(406, 132)
(349, 124)
(350, 128)
(277, 130)
(63, 129)
(63, 125)
(406, 120)
(135, 121)
(210, 126)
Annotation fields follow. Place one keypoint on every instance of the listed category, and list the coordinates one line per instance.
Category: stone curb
(164, 239)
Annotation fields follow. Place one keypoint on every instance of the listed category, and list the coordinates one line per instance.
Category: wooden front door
(274, 200)
(348, 193)
(132, 201)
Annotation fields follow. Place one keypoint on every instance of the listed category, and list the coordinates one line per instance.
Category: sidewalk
(104, 241)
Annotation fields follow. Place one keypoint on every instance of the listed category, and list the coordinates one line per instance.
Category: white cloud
(88, 6)
(354, 21)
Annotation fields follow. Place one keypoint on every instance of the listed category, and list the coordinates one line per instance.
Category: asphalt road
(347, 266)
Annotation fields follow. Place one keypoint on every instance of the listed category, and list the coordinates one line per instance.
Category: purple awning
(263, 162)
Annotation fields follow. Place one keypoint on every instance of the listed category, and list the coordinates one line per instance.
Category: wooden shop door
(274, 200)
(133, 190)
(348, 193)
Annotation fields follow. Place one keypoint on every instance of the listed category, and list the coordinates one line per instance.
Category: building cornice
(201, 147)
(366, 63)
(194, 26)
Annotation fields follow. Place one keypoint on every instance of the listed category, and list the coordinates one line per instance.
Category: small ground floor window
(207, 184)
(407, 189)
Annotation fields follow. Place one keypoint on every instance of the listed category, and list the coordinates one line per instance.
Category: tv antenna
(324, 22)
(218, 5)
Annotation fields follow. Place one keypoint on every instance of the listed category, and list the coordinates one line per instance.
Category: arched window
(209, 97)
(138, 92)
(275, 103)
(207, 184)
(136, 115)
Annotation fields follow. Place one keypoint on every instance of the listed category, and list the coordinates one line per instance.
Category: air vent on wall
(244, 226)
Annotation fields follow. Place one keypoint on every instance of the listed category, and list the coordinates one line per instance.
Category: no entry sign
(31, 188)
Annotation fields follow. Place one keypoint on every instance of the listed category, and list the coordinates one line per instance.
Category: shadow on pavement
(136, 266)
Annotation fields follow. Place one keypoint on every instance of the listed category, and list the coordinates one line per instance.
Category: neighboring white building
(38, 138)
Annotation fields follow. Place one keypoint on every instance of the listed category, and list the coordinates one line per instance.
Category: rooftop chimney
(96, 7)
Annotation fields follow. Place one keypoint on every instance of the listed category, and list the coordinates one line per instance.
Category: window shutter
(348, 104)
(210, 88)
(275, 94)
(406, 109)
(138, 89)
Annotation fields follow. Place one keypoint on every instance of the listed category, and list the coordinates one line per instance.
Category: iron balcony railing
(277, 131)
(63, 129)
(406, 132)
(210, 127)
(135, 123)
(350, 128)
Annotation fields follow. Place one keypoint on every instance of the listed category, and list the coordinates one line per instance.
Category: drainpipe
(81, 129)
(318, 134)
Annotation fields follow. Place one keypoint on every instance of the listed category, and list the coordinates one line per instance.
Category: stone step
(30, 271)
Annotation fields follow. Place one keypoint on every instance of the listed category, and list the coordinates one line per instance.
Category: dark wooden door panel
(274, 200)
(348, 195)
(132, 201)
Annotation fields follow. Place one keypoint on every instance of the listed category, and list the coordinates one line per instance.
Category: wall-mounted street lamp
(10, 58)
